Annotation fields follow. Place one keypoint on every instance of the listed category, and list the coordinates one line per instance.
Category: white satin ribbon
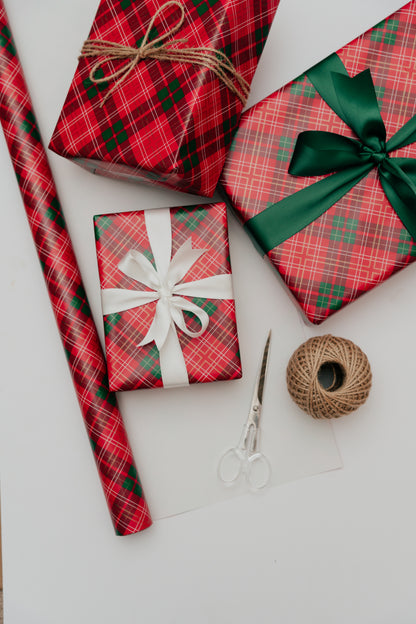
(169, 291)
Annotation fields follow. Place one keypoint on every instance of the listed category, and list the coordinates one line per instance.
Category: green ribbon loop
(349, 160)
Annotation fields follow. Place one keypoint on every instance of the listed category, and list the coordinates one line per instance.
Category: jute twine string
(341, 398)
(210, 58)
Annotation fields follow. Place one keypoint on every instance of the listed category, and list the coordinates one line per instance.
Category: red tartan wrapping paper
(169, 123)
(102, 418)
(360, 241)
(212, 356)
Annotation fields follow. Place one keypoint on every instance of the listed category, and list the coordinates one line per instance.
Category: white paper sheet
(180, 434)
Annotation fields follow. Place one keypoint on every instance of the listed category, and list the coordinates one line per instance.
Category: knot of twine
(210, 58)
(345, 394)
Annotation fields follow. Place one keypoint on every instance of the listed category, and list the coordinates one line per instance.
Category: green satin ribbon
(348, 160)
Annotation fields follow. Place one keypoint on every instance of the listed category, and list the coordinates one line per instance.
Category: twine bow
(211, 59)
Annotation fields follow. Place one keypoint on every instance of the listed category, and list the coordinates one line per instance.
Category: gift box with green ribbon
(323, 172)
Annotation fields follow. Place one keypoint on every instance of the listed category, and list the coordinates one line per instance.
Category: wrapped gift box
(334, 237)
(168, 119)
(169, 313)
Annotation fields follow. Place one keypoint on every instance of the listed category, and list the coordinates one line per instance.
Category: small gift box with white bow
(167, 298)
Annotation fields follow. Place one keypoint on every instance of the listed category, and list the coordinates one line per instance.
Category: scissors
(245, 459)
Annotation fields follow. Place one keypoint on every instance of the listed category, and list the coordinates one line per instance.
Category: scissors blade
(259, 388)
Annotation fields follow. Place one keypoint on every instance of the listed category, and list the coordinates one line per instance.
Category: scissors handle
(256, 468)
(258, 471)
(230, 466)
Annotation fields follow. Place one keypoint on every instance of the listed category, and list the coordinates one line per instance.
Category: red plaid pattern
(212, 356)
(169, 123)
(360, 241)
(102, 418)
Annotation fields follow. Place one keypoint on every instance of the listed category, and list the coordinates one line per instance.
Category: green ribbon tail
(283, 219)
(398, 179)
(319, 74)
(405, 136)
(358, 101)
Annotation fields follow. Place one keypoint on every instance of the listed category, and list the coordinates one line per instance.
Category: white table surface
(335, 548)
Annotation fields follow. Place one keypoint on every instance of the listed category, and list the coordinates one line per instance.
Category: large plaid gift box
(159, 89)
(169, 313)
(323, 173)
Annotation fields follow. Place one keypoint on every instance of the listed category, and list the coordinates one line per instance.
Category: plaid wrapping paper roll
(360, 241)
(105, 428)
(169, 123)
(212, 356)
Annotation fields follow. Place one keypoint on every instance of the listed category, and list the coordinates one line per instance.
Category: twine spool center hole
(331, 376)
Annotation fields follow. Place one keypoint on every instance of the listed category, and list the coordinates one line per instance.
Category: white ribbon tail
(182, 261)
(160, 325)
(138, 267)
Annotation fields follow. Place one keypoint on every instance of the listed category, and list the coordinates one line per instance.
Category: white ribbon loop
(215, 287)
(181, 305)
(181, 262)
(166, 289)
(138, 267)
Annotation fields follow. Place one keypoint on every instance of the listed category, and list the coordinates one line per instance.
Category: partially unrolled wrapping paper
(105, 428)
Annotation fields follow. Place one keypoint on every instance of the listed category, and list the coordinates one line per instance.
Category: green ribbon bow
(318, 153)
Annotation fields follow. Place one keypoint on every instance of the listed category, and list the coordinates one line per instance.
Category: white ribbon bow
(166, 288)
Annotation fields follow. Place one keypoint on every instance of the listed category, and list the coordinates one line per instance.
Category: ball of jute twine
(351, 376)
